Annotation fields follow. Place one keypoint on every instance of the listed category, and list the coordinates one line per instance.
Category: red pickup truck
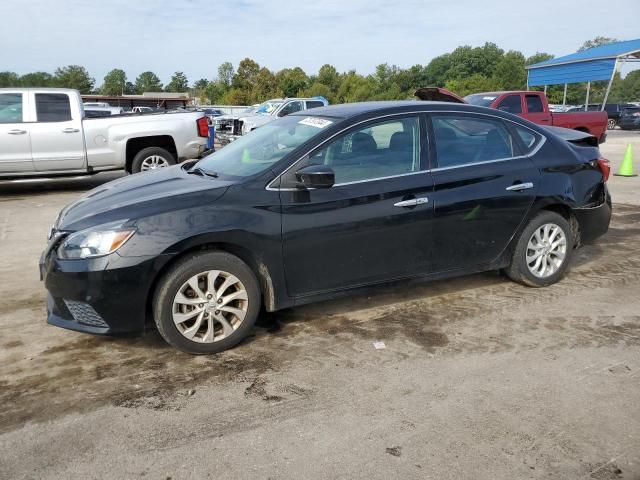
(534, 107)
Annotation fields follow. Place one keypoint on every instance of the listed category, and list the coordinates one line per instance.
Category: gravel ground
(480, 378)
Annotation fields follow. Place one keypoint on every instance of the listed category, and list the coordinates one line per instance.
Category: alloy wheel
(546, 250)
(210, 306)
(152, 162)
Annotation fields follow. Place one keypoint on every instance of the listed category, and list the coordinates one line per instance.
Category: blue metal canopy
(597, 63)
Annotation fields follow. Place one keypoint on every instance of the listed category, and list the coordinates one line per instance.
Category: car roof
(347, 110)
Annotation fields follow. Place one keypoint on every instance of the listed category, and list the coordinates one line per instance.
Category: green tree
(596, 42)
(291, 80)
(354, 88)
(225, 74)
(74, 76)
(36, 79)
(472, 84)
(114, 83)
(509, 72)
(319, 89)
(130, 88)
(148, 82)
(329, 76)
(436, 72)
(199, 90)
(246, 75)
(9, 79)
(266, 87)
(178, 83)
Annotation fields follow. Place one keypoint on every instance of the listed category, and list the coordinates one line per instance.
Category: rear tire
(191, 305)
(611, 124)
(538, 261)
(152, 158)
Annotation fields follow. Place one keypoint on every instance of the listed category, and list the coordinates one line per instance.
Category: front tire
(207, 303)
(611, 124)
(152, 158)
(543, 252)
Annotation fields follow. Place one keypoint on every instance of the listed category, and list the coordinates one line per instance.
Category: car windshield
(482, 100)
(260, 149)
(268, 107)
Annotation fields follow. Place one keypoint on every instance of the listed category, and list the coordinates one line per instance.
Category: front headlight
(247, 127)
(94, 242)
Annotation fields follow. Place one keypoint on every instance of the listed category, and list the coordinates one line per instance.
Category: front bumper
(104, 296)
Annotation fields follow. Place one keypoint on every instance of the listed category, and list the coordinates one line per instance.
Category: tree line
(465, 70)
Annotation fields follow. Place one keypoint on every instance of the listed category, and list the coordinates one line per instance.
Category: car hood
(140, 195)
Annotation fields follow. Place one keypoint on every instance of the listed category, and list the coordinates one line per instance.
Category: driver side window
(289, 108)
(377, 150)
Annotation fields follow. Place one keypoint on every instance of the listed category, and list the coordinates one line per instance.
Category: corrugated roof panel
(588, 71)
(611, 50)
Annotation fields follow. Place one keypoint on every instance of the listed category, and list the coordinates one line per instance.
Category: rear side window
(314, 104)
(53, 107)
(10, 108)
(462, 139)
(528, 137)
(534, 104)
(511, 104)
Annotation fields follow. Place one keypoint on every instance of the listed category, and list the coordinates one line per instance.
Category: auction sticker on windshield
(315, 122)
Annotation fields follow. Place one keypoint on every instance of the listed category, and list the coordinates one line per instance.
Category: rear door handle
(519, 187)
(71, 130)
(412, 203)
(16, 132)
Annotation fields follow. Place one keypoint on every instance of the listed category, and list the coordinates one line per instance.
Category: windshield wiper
(202, 172)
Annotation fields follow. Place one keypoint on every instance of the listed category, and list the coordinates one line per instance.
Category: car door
(15, 144)
(483, 186)
(535, 110)
(57, 141)
(374, 223)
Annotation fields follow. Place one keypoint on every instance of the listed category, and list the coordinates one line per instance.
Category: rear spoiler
(576, 137)
(437, 94)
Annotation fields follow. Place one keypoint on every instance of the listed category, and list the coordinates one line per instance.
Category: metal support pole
(606, 94)
(545, 90)
(564, 96)
(586, 103)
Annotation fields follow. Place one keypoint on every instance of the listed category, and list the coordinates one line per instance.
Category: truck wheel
(543, 252)
(611, 124)
(151, 158)
(207, 303)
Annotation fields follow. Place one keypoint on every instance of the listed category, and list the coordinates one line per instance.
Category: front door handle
(16, 132)
(71, 130)
(412, 203)
(519, 187)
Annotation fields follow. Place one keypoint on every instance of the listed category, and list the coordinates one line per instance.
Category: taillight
(605, 168)
(203, 127)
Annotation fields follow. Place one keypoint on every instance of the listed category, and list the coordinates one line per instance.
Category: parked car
(317, 204)
(534, 107)
(212, 113)
(231, 127)
(95, 111)
(614, 110)
(630, 118)
(43, 132)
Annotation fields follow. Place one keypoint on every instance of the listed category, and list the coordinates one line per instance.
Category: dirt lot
(480, 377)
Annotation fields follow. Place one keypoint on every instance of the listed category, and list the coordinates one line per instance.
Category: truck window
(11, 108)
(314, 104)
(53, 107)
(534, 104)
(290, 108)
(511, 104)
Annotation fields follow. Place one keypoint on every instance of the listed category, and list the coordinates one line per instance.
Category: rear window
(528, 137)
(481, 100)
(53, 107)
(314, 104)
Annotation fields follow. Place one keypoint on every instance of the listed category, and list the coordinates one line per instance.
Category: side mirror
(316, 176)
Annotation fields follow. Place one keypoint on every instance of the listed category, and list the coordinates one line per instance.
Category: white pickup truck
(44, 132)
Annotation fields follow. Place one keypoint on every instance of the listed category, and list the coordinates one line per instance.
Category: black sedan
(321, 203)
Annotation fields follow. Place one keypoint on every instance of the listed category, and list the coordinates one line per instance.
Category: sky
(195, 36)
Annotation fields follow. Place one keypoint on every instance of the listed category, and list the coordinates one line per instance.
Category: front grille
(85, 314)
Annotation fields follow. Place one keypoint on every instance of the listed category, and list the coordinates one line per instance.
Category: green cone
(626, 167)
